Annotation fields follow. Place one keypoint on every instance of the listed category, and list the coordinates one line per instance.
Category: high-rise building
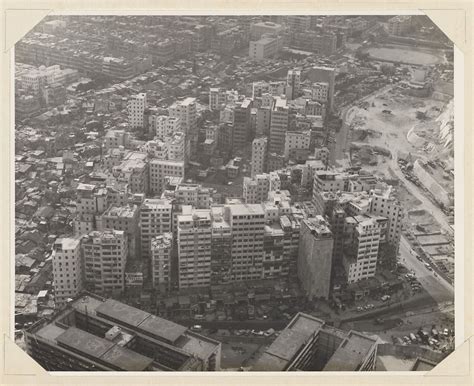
(105, 257)
(221, 247)
(315, 257)
(241, 125)
(159, 170)
(161, 256)
(255, 190)
(194, 234)
(97, 334)
(299, 23)
(123, 218)
(362, 239)
(185, 110)
(155, 219)
(67, 269)
(326, 75)
(217, 98)
(133, 171)
(384, 203)
(296, 140)
(265, 47)
(259, 151)
(91, 201)
(293, 84)
(278, 126)
(166, 125)
(175, 144)
(136, 110)
(248, 228)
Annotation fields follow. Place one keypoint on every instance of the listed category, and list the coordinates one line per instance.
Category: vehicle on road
(196, 328)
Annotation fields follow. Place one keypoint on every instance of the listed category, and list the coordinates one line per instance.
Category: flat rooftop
(246, 209)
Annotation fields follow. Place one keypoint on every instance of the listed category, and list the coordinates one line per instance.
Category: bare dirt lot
(405, 55)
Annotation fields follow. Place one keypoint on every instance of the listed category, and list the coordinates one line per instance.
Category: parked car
(196, 328)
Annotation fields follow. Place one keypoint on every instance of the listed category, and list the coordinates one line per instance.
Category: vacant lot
(404, 55)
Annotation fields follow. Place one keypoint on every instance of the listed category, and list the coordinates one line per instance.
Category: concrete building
(91, 201)
(248, 229)
(133, 171)
(259, 88)
(399, 25)
(136, 110)
(318, 91)
(326, 75)
(116, 138)
(241, 124)
(166, 125)
(293, 84)
(194, 247)
(160, 169)
(257, 30)
(221, 247)
(309, 344)
(217, 98)
(262, 124)
(266, 47)
(161, 254)
(315, 257)
(186, 112)
(123, 218)
(299, 23)
(255, 190)
(155, 219)
(278, 126)
(175, 144)
(105, 257)
(296, 140)
(384, 203)
(259, 151)
(362, 239)
(97, 334)
(67, 269)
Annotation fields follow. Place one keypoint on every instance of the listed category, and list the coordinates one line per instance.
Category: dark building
(241, 127)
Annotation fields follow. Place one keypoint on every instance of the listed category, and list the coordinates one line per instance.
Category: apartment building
(160, 169)
(124, 218)
(265, 47)
(362, 239)
(221, 247)
(194, 235)
(105, 256)
(136, 110)
(175, 144)
(115, 138)
(185, 110)
(325, 75)
(296, 140)
(166, 125)
(248, 228)
(155, 219)
(278, 126)
(67, 269)
(293, 84)
(315, 257)
(241, 124)
(91, 201)
(217, 98)
(256, 189)
(161, 248)
(133, 171)
(263, 119)
(259, 152)
(384, 203)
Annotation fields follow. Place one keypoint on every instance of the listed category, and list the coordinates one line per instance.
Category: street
(427, 205)
(437, 287)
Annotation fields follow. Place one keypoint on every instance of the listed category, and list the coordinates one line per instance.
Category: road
(426, 203)
(441, 291)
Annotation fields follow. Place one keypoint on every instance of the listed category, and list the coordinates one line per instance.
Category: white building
(159, 170)
(296, 140)
(194, 234)
(155, 219)
(165, 125)
(67, 269)
(105, 257)
(161, 250)
(115, 138)
(278, 126)
(217, 98)
(175, 145)
(383, 203)
(259, 151)
(248, 229)
(266, 47)
(362, 241)
(257, 30)
(136, 110)
(256, 189)
(186, 112)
